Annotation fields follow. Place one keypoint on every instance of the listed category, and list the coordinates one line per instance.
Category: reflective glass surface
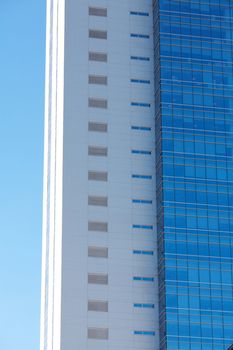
(194, 166)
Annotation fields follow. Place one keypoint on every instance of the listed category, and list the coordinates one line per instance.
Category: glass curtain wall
(194, 166)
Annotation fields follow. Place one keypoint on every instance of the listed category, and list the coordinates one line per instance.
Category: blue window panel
(142, 36)
(196, 116)
(140, 81)
(140, 58)
(138, 13)
(145, 306)
(148, 306)
(142, 128)
(143, 252)
(144, 279)
(144, 227)
(140, 104)
(137, 252)
(142, 201)
(144, 333)
(135, 151)
(146, 177)
(137, 279)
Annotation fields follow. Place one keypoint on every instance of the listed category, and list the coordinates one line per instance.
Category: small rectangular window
(143, 252)
(97, 103)
(98, 79)
(141, 128)
(97, 226)
(99, 306)
(97, 151)
(143, 36)
(140, 58)
(138, 13)
(144, 333)
(145, 306)
(97, 333)
(97, 278)
(142, 201)
(140, 81)
(99, 127)
(97, 175)
(139, 176)
(140, 104)
(98, 56)
(144, 279)
(143, 227)
(98, 11)
(98, 34)
(136, 151)
(98, 201)
(97, 252)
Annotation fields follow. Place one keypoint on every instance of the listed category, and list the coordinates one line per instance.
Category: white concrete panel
(120, 214)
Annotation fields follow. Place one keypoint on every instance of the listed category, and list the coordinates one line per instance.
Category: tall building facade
(99, 283)
(194, 169)
(138, 176)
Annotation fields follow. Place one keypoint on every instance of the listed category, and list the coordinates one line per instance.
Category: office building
(194, 171)
(138, 177)
(99, 263)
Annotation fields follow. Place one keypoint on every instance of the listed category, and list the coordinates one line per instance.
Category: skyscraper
(99, 263)
(138, 176)
(194, 171)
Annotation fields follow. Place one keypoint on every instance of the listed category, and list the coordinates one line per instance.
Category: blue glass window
(140, 81)
(142, 201)
(140, 104)
(135, 151)
(144, 333)
(143, 252)
(137, 13)
(194, 121)
(140, 58)
(144, 306)
(142, 128)
(146, 177)
(142, 36)
(144, 227)
(144, 279)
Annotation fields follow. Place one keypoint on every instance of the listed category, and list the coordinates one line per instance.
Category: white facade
(99, 270)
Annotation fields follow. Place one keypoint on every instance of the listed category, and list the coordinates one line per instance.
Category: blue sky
(22, 54)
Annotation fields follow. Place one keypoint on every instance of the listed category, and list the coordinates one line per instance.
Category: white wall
(122, 318)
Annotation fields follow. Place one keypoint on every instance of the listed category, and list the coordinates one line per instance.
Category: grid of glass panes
(195, 172)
